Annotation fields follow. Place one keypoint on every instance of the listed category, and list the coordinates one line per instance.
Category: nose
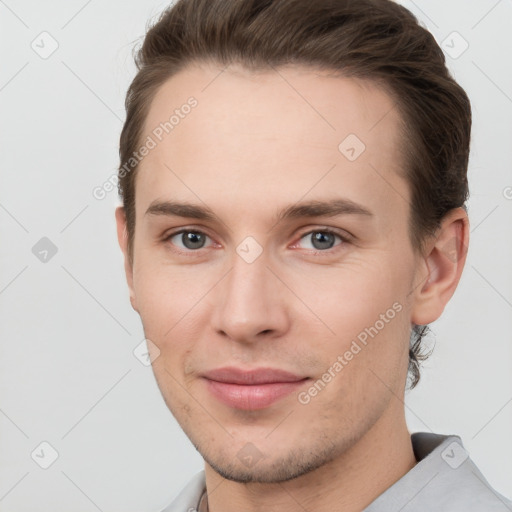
(251, 302)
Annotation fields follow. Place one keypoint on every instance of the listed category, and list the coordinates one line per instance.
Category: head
(294, 198)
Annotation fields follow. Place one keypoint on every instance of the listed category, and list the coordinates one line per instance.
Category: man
(294, 178)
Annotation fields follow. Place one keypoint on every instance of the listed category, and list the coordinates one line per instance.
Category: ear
(439, 271)
(122, 238)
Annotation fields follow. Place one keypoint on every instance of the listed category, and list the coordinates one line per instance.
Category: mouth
(252, 389)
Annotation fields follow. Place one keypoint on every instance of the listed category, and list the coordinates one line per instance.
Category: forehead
(272, 136)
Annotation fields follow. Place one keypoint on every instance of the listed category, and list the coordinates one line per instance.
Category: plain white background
(68, 375)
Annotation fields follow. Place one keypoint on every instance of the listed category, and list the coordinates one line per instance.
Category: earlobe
(441, 268)
(122, 238)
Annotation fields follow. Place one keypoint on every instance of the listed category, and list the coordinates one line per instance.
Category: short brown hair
(370, 39)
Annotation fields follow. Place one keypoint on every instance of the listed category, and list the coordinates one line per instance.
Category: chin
(261, 469)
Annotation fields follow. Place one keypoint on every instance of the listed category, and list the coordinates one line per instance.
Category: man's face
(315, 296)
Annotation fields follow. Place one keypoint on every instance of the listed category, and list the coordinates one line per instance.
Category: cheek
(361, 373)
(158, 301)
(171, 303)
(365, 309)
(352, 297)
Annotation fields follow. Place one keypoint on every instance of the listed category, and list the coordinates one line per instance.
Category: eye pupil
(319, 237)
(192, 240)
(321, 240)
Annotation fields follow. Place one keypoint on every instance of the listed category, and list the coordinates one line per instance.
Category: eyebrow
(314, 208)
(328, 208)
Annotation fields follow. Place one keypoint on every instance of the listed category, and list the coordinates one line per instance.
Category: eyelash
(315, 252)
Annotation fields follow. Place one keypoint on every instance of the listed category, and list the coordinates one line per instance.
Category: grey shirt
(445, 479)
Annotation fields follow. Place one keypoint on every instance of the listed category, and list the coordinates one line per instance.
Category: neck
(349, 483)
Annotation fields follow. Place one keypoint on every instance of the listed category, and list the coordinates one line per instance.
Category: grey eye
(190, 239)
(321, 239)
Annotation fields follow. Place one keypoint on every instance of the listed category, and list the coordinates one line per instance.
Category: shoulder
(467, 491)
(455, 482)
(445, 479)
